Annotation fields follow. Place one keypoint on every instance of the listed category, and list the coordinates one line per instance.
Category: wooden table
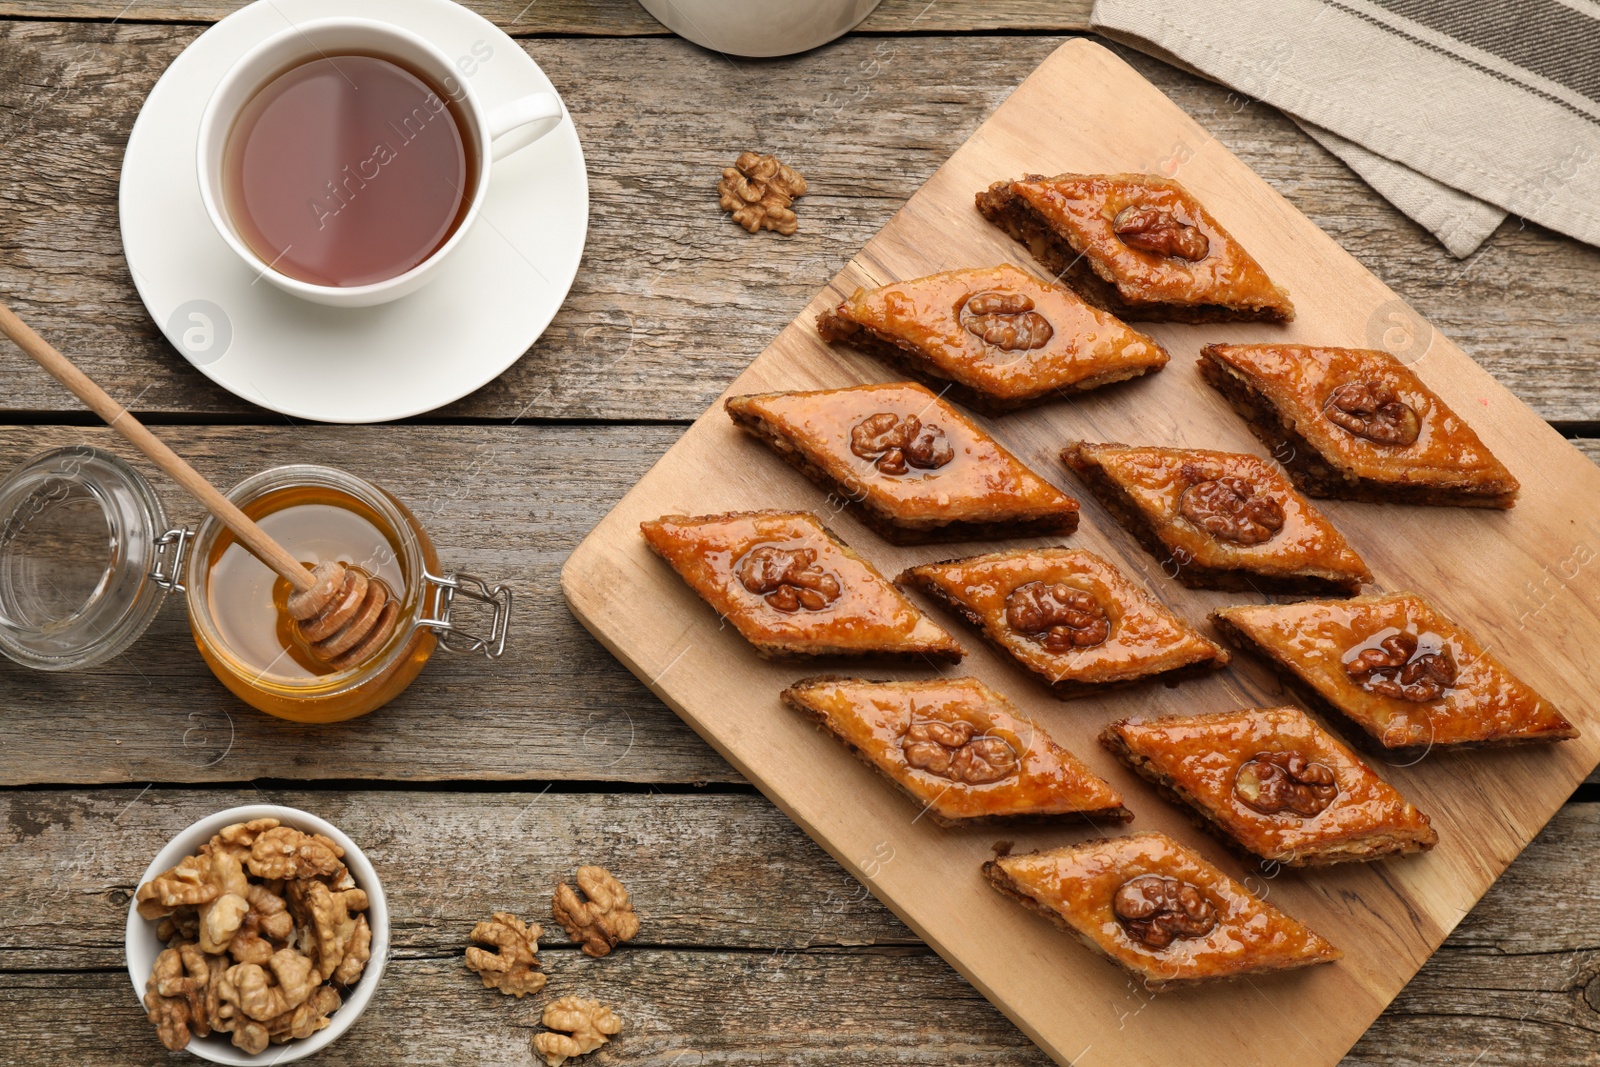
(485, 783)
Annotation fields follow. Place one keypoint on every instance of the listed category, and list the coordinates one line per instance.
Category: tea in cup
(344, 159)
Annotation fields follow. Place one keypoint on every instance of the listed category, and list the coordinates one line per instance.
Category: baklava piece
(1220, 520)
(1357, 424)
(995, 339)
(1274, 784)
(1070, 617)
(912, 466)
(794, 589)
(1396, 671)
(1160, 911)
(1138, 246)
(959, 749)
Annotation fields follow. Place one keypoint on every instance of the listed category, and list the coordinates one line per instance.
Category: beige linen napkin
(1457, 111)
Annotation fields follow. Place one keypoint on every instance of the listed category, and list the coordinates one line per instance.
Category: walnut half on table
(513, 968)
(600, 921)
(759, 192)
(588, 1025)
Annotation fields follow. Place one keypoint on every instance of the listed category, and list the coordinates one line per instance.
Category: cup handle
(542, 110)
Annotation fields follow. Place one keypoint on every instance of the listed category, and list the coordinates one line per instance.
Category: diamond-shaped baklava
(1158, 910)
(1219, 520)
(913, 466)
(1358, 424)
(959, 749)
(1273, 783)
(1397, 671)
(1068, 616)
(1139, 246)
(794, 589)
(995, 339)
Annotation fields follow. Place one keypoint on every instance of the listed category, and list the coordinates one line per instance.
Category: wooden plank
(511, 502)
(1084, 110)
(754, 942)
(719, 1008)
(675, 300)
(864, 1008)
(718, 870)
(619, 18)
(504, 502)
(679, 1009)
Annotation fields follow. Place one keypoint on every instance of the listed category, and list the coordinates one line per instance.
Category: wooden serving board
(1526, 582)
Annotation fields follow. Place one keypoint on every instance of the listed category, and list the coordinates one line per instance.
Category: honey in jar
(86, 559)
(237, 603)
(249, 602)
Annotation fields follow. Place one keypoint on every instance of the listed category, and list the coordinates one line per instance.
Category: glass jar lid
(81, 535)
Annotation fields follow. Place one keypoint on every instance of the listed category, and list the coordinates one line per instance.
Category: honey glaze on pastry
(1068, 616)
(995, 339)
(1139, 246)
(792, 588)
(1219, 520)
(1158, 910)
(1397, 671)
(1357, 424)
(1273, 784)
(915, 468)
(959, 749)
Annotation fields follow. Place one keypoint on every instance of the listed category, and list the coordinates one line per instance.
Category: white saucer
(495, 296)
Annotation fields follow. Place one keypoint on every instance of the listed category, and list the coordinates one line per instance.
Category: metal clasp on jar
(172, 549)
(452, 638)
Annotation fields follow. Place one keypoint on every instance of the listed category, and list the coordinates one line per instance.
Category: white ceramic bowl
(143, 946)
(759, 30)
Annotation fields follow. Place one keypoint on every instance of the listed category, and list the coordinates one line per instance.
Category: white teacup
(491, 135)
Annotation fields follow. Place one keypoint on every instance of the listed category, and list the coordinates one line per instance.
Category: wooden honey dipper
(343, 614)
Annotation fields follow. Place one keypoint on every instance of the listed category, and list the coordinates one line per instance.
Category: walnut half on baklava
(1357, 424)
(909, 463)
(1139, 246)
(995, 339)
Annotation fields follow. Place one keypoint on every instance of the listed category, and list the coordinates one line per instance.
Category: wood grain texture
(507, 503)
(755, 945)
(1084, 110)
(868, 119)
(619, 18)
(674, 300)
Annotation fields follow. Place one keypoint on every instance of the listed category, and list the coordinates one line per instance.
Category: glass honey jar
(87, 556)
